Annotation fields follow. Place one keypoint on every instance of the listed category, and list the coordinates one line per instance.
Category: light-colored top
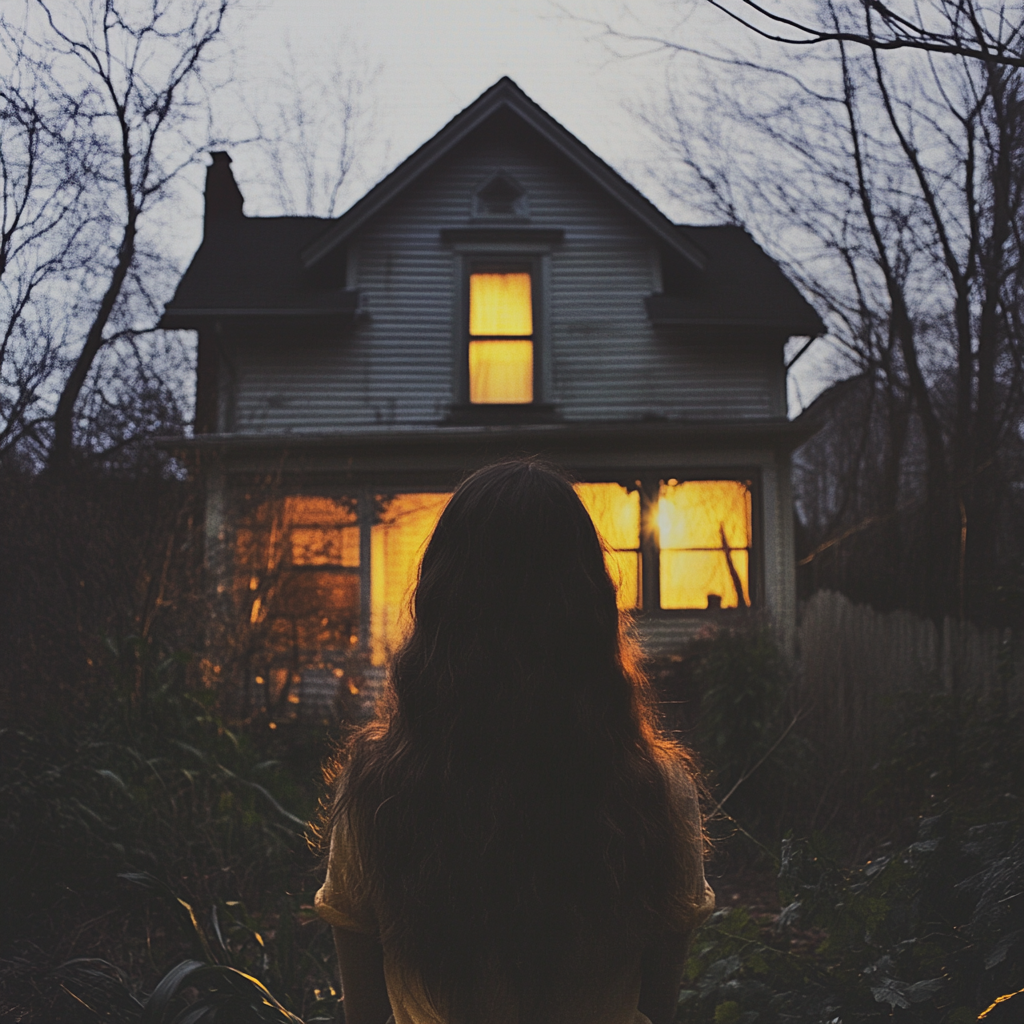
(605, 998)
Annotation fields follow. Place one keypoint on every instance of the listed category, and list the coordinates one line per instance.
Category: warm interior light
(398, 540)
(500, 346)
(299, 549)
(500, 372)
(616, 515)
(500, 305)
(704, 533)
(325, 545)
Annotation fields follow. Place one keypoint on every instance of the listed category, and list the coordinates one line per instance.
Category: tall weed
(745, 730)
(153, 807)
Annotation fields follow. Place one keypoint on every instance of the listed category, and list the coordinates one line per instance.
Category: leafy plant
(206, 829)
(745, 730)
(930, 933)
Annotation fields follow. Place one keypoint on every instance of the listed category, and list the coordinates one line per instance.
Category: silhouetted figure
(514, 841)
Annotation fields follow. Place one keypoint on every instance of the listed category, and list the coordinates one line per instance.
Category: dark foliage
(932, 932)
(158, 831)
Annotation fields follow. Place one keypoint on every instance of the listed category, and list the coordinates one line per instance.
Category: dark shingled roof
(740, 286)
(250, 266)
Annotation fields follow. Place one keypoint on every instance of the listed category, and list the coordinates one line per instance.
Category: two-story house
(502, 292)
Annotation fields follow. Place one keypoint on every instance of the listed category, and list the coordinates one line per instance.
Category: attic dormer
(501, 198)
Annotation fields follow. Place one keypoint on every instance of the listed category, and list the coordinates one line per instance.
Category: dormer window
(500, 197)
(501, 338)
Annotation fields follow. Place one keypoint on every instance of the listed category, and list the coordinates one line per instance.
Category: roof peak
(504, 94)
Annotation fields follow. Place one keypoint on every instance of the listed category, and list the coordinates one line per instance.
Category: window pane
(501, 372)
(694, 513)
(319, 545)
(704, 531)
(316, 613)
(500, 304)
(299, 602)
(615, 511)
(398, 540)
(693, 579)
(315, 510)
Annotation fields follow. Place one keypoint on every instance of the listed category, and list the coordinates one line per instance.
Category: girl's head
(515, 613)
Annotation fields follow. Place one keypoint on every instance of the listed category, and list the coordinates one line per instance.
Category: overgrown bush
(961, 750)
(932, 932)
(744, 731)
(163, 832)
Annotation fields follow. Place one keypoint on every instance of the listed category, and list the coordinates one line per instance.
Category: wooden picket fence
(854, 663)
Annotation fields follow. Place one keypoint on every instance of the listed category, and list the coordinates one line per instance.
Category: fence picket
(855, 662)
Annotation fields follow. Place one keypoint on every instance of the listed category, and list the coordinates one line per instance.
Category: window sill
(469, 415)
(715, 614)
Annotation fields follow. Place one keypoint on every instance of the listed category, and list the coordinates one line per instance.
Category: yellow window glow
(500, 305)
(325, 545)
(323, 531)
(294, 579)
(704, 530)
(500, 344)
(616, 515)
(500, 372)
(397, 543)
(316, 510)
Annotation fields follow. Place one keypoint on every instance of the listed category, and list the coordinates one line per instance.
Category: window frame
(648, 482)
(501, 262)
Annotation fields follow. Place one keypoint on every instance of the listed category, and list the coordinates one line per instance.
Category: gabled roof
(503, 95)
(742, 286)
(250, 267)
(262, 270)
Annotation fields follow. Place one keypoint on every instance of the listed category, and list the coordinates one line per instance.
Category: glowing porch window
(615, 511)
(297, 582)
(501, 339)
(327, 545)
(397, 542)
(704, 532)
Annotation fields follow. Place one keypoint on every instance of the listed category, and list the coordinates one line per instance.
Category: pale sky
(437, 56)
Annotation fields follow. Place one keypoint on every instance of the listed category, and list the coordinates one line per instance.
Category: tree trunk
(64, 417)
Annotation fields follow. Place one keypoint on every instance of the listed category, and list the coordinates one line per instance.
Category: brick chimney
(223, 197)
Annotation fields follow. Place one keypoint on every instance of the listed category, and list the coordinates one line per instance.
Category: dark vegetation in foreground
(155, 864)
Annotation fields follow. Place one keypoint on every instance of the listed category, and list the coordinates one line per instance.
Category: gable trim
(504, 94)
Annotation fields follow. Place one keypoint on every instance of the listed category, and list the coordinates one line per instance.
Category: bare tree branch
(965, 31)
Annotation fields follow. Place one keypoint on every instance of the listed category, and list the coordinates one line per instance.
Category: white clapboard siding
(607, 361)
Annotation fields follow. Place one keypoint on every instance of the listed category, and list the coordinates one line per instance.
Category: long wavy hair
(509, 804)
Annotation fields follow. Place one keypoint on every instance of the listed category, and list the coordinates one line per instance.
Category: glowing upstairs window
(704, 533)
(615, 511)
(500, 339)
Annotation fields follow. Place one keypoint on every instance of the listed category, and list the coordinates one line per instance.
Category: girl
(513, 840)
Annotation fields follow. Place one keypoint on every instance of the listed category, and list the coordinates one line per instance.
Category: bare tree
(124, 91)
(44, 155)
(311, 120)
(983, 30)
(140, 80)
(894, 191)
